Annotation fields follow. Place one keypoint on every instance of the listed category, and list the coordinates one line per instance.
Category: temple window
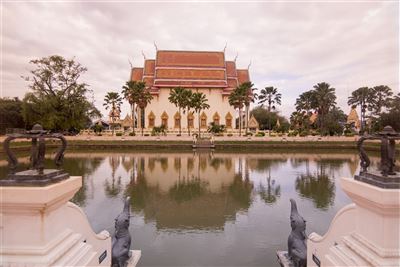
(164, 119)
(203, 120)
(216, 118)
(151, 119)
(191, 120)
(228, 120)
(177, 118)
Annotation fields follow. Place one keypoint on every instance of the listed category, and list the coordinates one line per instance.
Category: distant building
(353, 119)
(200, 71)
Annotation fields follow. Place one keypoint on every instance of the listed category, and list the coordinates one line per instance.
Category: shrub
(215, 128)
(272, 134)
(146, 134)
(349, 134)
(260, 134)
(293, 133)
(118, 134)
(229, 134)
(303, 133)
(249, 134)
(132, 134)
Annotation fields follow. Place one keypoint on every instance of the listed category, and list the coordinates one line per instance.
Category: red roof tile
(190, 59)
(231, 69)
(243, 76)
(192, 74)
(137, 74)
(149, 67)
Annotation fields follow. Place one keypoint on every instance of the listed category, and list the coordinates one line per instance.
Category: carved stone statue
(297, 246)
(121, 241)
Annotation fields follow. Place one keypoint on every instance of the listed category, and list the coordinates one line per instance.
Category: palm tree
(187, 105)
(361, 97)
(271, 96)
(112, 100)
(177, 96)
(324, 99)
(198, 103)
(249, 97)
(130, 94)
(136, 94)
(237, 100)
(381, 98)
(144, 98)
(304, 105)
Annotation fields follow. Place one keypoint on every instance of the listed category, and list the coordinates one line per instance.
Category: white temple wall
(217, 102)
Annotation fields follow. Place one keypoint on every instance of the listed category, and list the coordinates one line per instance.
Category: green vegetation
(11, 114)
(268, 120)
(198, 103)
(57, 99)
(180, 98)
(113, 101)
(136, 94)
(216, 129)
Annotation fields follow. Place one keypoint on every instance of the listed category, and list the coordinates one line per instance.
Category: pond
(210, 209)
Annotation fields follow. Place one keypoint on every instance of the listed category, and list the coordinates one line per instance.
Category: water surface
(210, 209)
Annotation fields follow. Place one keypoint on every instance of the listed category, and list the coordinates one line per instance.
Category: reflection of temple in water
(189, 191)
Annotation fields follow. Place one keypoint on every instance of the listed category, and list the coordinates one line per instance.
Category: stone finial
(121, 241)
(37, 175)
(297, 246)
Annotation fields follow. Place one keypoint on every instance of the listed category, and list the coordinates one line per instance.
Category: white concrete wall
(217, 102)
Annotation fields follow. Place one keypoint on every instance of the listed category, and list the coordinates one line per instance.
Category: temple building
(200, 71)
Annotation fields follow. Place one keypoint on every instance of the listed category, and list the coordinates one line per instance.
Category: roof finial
(226, 44)
(155, 45)
(237, 54)
(248, 67)
(144, 56)
(130, 63)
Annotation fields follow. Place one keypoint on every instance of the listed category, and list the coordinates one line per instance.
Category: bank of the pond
(223, 145)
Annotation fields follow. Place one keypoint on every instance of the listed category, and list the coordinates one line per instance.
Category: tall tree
(237, 99)
(113, 101)
(58, 100)
(187, 106)
(135, 93)
(361, 97)
(10, 114)
(304, 106)
(199, 102)
(249, 97)
(380, 98)
(271, 96)
(177, 96)
(323, 101)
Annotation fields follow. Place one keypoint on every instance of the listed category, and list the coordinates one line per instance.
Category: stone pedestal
(366, 233)
(39, 227)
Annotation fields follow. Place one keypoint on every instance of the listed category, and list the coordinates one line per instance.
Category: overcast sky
(291, 46)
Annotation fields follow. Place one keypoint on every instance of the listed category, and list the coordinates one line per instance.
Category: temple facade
(200, 71)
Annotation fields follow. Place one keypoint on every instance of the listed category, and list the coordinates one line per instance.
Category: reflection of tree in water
(298, 162)
(271, 192)
(263, 164)
(318, 187)
(240, 190)
(81, 167)
(164, 163)
(114, 188)
(177, 164)
(228, 164)
(187, 189)
(216, 163)
(151, 163)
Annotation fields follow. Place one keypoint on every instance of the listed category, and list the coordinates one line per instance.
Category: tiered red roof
(191, 69)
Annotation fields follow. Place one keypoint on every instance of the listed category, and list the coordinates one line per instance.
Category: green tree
(199, 102)
(113, 101)
(249, 97)
(361, 97)
(304, 106)
(335, 121)
(187, 105)
(391, 117)
(10, 114)
(178, 97)
(323, 100)
(136, 94)
(58, 100)
(380, 98)
(237, 99)
(271, 96)
(265, 119)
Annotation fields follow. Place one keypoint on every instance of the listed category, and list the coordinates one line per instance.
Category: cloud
(292, 46)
